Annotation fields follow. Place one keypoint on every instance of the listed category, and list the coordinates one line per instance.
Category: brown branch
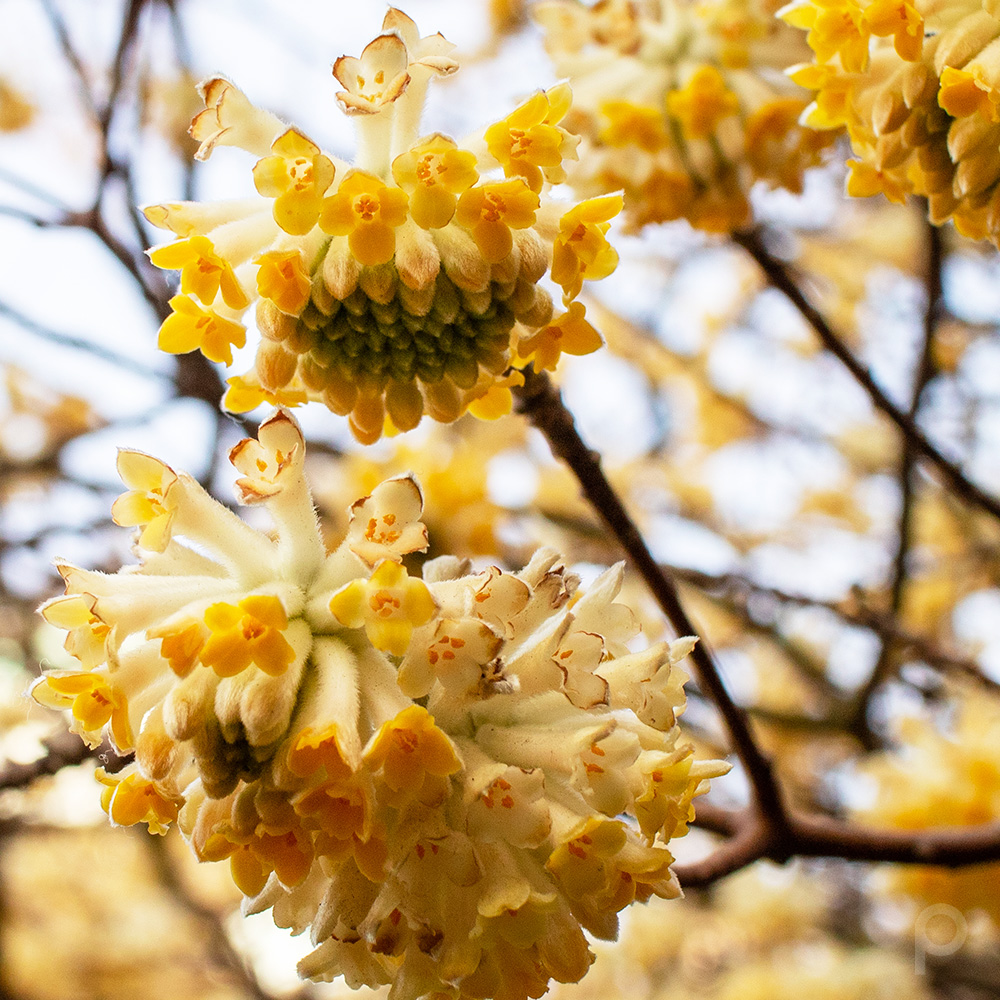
(542, 403)
(78, 344)
(808, 836)
(779, 275)
(64, 750)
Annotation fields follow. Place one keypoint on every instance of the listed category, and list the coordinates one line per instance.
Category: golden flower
(392, 287)
(918, 89)
(434, 173)
(191, 327)
(296, 175)
(445, 780)
(685, 105)
(368, 212)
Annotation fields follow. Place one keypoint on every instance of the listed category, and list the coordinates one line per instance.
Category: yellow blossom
(628, 124)
(247, 633)
(192, 328)
(434, 173)
(229, 119)
(245, 393)
(491, 211)
(203, 272)
(129, 799)
(367, 211)
(569, 333)
(901, 20)
(145, 504)
(581, 248)
(283, 279)
(836, 28)
(964, 93)
(529, 143)
(375, 80)
(296, 175)
(410, 746)
(863, 181)
(390, 605)
(702, 103)
(87, 634)
(92, 699)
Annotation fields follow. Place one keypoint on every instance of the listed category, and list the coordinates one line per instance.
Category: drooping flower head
(445, 779)
(917, 86)
(683, 104)
(402, 284)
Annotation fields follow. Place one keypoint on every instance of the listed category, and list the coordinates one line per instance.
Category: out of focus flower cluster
(684, 104)
(943, 777)
(405, 283)
(445, 779)
(917, 86)
(762, 934)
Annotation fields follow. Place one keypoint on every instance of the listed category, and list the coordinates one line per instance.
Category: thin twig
(884, 665)
(78, 343)
(779, 275)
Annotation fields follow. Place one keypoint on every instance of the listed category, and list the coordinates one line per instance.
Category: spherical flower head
(392, 288)
(446, 779)
(680, 105)
(920, 107)
(296, 175)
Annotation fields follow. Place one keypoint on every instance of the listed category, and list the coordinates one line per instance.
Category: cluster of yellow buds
(405, 283)
(445, 778)
(683, 104)
(917, 86)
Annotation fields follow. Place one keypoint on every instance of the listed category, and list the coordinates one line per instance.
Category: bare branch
(779, 275)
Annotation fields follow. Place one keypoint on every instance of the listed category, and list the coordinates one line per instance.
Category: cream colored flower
(445, 780)
(682, 104)
(392, 287)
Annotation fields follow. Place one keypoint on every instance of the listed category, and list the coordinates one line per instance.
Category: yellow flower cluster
(683, 104)
(917, 86)
(446, 779)
(406, 283)
(944, 779)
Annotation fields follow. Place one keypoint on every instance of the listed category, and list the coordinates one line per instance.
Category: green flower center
(446, 334)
